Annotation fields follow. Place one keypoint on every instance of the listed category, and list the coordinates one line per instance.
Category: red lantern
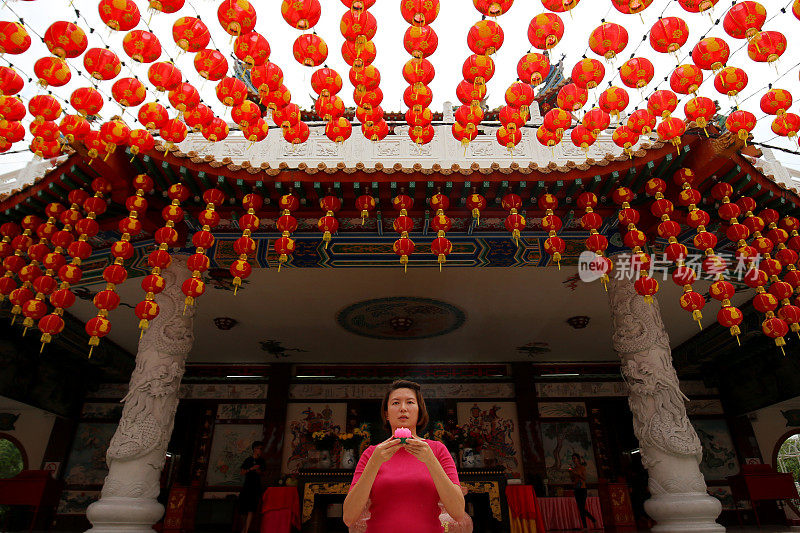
(403, 247)
(216, 130)
(10, 82)
(776, 329)
(86, 101)
(421, 135)
(245, 113)
(44, 107)
(184, 97)
(613, 101)
(287, 116)
(190, 34)
(301, 14)
(631, 6)
(686, 79)
(310, 50)
(697, 6)
(52, 71)
(545, 137)
(776, 101)
(65, 39)
(557, 120)
(766, 46)
(588, 73)
(256, 131)
(120, 15)
(365, 79)
(418, 71)
(326, 82)
(166, 6)
(281, 97)
(508, 137)
(211, 64)
(700, 110)
(744, 19)
(128, 92)
(113, 133)
(671, 129)
(358, 55)
(625, 138)
(12, 131)
(231, 91)
(377, 131)
(711, 53)
(492, 8)
(533, 68)
(741, 123)
(173, 131)
(13, 38)
(338, 130)
(730, 81)
(237, 16)
(786, 125)
(416, 98)
(485, 37)
(358, 26)
(441, 248)
(636, 72)
(101, 63)
(582, 137)
(140, 141)
(142, 46)
(608, 40)
(199, 117)
(297, 134)
(571, 97)
(545, 31)
(420, 41)
(596, 120)
(329, 107)
(153, 115)
(419, 12)
(164, 76)
(662, 103)
(478, 69)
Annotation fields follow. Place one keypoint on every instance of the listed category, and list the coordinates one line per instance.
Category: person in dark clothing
(250, 498)
(578, 474)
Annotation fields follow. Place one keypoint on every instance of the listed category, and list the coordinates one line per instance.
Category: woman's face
(403, 410)
(575, 460)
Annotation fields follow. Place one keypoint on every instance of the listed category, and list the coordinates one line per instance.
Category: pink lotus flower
(402, 434)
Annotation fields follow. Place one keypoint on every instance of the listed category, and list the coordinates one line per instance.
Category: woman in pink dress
(404, 483)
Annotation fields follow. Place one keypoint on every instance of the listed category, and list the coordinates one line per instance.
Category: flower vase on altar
(347, 460)
(324, 462)
(468, 457)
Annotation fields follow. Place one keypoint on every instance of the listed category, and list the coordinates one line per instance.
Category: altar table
(281, 510)
(562, 512)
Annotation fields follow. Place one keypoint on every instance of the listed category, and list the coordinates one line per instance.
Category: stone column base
(684, 512)
(124, 515)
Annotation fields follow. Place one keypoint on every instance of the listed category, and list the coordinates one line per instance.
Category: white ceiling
(505, 308)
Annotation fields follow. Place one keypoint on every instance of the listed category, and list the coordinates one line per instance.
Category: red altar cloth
(280, 508)
(523, 510)
(562, 513)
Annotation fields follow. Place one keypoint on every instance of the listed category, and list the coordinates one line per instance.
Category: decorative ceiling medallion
(401, 318)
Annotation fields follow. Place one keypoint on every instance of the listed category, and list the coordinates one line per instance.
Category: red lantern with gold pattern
(65, 39)
(766, 46)
(485, 37)
(246, 113)
(13, 131)
(608, 39)
(326, 82)
(44, 107)
(164, 76)
(741, 123)
(631, 6)
(338, 130)
(582, 137)
(533, 68)
(625, 138)
(10, 82)
(166, 6)
(184, 97)
(358, 55)
(571, 97)
(231, 91)
(358, 26)
(142, 46)
(596, 120)
(697, 6)
(469, 93)
(559, 6)
(636, 72)
(256, 131)
(236, 16)
(113, 133)
(128, 92)
(744, 19)
(216, 130)
(686, 79)
(557, 120)
(301, 14)
(776, 101)
(329, 107)
(588, 73)
(153, 115)
(140, 141)
(700, 110)
(613, 101)
(375, 132)
(86, 101)
(547, 137)
(492, 8)
(545, 31)
(662, 103)
(671, 129)
(101, 63)
(52, 71)
(120, 15)
(190, 34)
(421, 135)
(786, 125)
(297, 134)
(211, 64)
(14, 39)
(310, 50)
(420, 41)
(287, 116)
(668, 34)
(11, 108)
(173, 131)
(266, 77)
(509, 137)
(419, 12)
(730, 81)
(478, 69)
(711, 53)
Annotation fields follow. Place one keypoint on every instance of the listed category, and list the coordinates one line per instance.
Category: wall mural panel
(560, 440)
(230, 446)
(497, 423)
(303, 419)
(358, 391)
(87, 460)
(562, 410)
(241, 411)
(719, 454)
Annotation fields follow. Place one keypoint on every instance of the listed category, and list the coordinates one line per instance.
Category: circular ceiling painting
(401, 318)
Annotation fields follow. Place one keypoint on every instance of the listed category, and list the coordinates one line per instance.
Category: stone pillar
(671, 451)
(137, 451)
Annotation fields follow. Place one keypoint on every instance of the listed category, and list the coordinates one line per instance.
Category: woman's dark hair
(257, 444)
(580, 459)
(422, 418)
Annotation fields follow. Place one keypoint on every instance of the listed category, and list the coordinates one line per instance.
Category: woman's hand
(384, 451)
(420, 449)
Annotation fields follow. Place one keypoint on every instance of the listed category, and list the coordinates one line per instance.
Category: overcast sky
(452, 25)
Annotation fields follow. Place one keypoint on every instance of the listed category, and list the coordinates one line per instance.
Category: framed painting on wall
(719, 454)
(302, 420)
(230, 446)
(560, 441)
(496, 422)
(87, 460)
(562, 410)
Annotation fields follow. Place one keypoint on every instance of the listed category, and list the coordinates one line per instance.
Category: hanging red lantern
(467, 93)
(301, 14)
(421, 117)
(173, 131)
(492, 8)
(588, 73)
(140, 141)
(596, 120)
(730, 81)
(671, 129)
(475, 203)
(533, 68)
(142, 46)
(237, 16)
(421, 135)
(120, 15)
(74, 127)
(12, 131)
(741, 123)
(441, 248)
(776, 101)
(326, 81)
(211, 64)
(744, 19)
(365, 79)
(419, 12)
(662, 103)
(65, 39)
(625, 138)
(94, 144)
(128, 92)
(113, 133)
(231, 91)
(216, 130)
(52, 71)
(184, 97)
(766, 46)
(509, 116)
(358, 55)
(13, 38)
(287, 116)
(256, 131)
(478, 69)
(464, 134)
(686, 79)
(153, 115)
(700, 110)
(44, 107)
(338, 130)
(711, 53)
(297, 134)
(101, 63)
(10, 82)
(252, 48)
(631, 6)
(164, 76)
(668, 34)
(546, 137)
(329, 107)
(415, 98)
(420, 41)
(571, 97)
(266, 77)
(509, 137)
(697, 6)
(310, 50)
(365, 203)
(166, 6)
(613, 101)
(582, 137)
(559, 6)
(608, 39)
(485, 37)
(557, 120)
(375, 132)
(545, 31)
(359, 26)
(45, 131)
(245, 113)
(786, 125)
(191, 34)
(86, 101)
(636, 72)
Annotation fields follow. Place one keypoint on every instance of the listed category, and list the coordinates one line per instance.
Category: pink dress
(403, 497)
